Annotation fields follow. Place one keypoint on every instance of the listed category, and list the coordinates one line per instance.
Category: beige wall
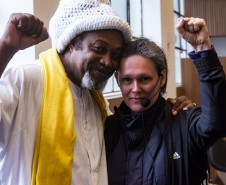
(168, 43)
(44, 9)
(114, 102)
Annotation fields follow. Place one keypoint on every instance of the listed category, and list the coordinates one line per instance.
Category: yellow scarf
(53, 156)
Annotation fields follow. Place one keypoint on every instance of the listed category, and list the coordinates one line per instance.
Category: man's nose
(107, 61)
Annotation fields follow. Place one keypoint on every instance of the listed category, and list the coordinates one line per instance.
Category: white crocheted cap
(73, 17)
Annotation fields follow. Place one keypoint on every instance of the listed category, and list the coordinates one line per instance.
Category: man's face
(139, 79)
(97, 57)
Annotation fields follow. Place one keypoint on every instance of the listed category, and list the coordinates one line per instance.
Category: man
(51, 113)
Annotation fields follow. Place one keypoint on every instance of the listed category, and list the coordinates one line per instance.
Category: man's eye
(116, 56)
(99, 49)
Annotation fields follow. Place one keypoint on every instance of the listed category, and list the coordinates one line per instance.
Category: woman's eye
(126, 80)
(145, 80)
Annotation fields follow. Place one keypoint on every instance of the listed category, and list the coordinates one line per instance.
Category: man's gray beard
(90, 84)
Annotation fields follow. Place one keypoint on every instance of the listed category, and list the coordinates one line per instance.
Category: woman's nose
(136, 87)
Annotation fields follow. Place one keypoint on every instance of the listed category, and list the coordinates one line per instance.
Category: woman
(145, 143)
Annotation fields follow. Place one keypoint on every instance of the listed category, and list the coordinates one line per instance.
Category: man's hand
(180, 103)
(195, 32)
(23, 31)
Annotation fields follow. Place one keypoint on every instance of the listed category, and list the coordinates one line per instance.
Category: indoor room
(155, 20)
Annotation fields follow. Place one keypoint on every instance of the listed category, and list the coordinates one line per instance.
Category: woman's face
(138, 79)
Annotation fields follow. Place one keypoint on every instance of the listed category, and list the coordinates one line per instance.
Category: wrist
(6, 53)
(202, 47)
(202, 54)
(6, 48)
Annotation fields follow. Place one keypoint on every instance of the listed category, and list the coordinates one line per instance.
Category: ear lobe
(71, 47)
(163, 77)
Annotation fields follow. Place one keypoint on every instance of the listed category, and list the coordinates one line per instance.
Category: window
(128, 12)
(132, 12)
(180, 45)
(122, 10)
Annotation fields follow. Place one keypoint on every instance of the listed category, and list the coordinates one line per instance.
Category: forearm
(212, 122)
(6, 54)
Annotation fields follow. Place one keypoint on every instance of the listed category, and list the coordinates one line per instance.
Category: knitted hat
(73, 17)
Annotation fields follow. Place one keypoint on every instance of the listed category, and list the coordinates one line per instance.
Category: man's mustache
(102, 68)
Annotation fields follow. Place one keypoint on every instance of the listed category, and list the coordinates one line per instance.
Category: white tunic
(21, 90)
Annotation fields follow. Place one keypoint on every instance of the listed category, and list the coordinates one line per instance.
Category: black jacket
(156, 148)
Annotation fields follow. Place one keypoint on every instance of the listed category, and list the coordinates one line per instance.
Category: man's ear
(71, 47)
(163, 77)
(116, 77)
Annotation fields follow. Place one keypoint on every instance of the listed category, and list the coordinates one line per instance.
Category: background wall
(44, 9)
(214, 13)
(219, 44)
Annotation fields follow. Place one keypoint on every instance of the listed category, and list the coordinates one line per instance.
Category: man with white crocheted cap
(52, 110)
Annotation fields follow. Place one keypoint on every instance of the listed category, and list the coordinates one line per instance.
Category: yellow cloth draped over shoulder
(53, 155)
